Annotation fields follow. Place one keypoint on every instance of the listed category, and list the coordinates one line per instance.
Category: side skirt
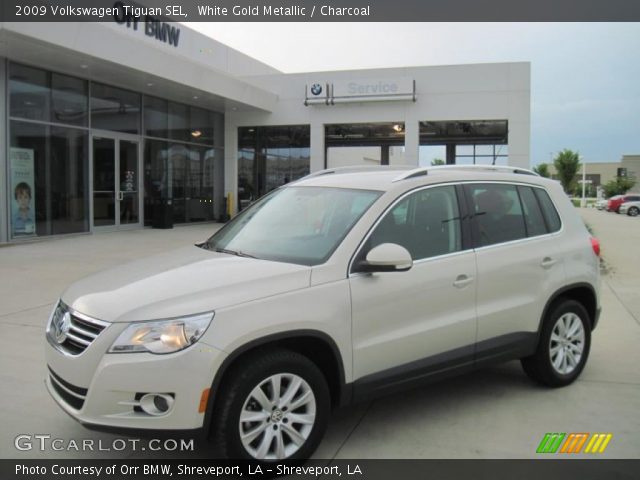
(445, 365)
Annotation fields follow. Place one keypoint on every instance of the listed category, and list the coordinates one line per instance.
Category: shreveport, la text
(282, 11)
(167, 470)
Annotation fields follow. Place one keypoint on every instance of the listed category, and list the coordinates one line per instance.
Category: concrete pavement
(493, 413)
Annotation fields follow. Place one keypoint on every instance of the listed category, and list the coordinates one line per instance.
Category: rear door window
(497, 213)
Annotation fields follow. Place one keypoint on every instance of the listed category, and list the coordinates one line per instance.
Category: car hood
(183, 282)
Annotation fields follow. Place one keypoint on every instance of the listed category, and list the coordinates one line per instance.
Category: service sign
(360, 90)
(386, 87)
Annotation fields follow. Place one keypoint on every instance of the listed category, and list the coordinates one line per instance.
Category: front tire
(275, 406)
(564, 345)
(633, 211)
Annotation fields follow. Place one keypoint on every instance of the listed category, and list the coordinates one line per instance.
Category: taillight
(595, 244)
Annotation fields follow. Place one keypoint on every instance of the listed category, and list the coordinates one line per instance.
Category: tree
(542, 170)
(437, 161)
(567, 164)
(589, 191)
(618, 186)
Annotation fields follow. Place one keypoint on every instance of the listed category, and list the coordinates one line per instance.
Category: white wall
(460, 92)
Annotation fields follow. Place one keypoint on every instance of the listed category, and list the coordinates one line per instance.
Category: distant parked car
(630, 208)
(602, 204)
(617, 200)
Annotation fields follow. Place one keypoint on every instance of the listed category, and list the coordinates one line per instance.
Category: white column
(231, 161)
(317, 147)
(412, 143)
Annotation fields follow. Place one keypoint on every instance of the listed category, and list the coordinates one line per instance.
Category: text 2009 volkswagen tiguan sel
(339, 287)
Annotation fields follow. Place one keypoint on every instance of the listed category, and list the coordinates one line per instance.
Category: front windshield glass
(302, 225)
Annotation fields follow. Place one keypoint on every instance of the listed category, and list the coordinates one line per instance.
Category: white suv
(344, 285)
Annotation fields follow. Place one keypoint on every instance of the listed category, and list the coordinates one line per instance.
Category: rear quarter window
(548, 210)
(534, 220)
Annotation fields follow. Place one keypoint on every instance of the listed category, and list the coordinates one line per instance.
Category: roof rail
(418, 172)
(353, 169)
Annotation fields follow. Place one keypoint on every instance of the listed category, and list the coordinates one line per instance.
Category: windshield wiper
(237, 253)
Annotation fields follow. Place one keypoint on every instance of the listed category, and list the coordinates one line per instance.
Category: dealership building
(118, 125)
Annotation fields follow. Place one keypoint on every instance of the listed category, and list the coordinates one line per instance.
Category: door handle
(548, 262)
(120, 195)
(462, 281)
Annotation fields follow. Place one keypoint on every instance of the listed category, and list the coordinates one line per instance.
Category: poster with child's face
(23, 214)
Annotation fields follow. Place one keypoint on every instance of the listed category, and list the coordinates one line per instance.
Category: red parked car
(614, 202)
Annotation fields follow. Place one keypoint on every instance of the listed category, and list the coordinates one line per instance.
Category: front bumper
(109, 397)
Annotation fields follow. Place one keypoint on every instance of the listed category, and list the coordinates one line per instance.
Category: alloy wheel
(567, 343)
(277, 417)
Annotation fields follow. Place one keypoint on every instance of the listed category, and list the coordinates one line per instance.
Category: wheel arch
(584, 293)
(317, 346)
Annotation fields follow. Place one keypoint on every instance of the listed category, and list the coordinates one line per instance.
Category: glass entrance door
(116, 182)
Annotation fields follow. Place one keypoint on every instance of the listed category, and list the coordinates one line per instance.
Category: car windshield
(301, 225)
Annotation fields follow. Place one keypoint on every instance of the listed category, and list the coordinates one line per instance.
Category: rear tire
(633, 211)
(563, 348)
(284, 402)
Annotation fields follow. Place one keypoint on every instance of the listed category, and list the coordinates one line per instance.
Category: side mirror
(387, 257)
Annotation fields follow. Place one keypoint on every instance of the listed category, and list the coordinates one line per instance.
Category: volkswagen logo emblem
(61, 326)
(316, 89)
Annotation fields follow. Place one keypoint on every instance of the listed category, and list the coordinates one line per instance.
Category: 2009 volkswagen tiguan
(344, 285)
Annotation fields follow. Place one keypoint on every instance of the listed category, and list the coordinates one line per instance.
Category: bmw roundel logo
(316, 89)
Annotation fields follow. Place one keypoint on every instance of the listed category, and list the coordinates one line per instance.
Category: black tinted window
(497, 213)
(532, 213)
(426, 223)
(549, 210)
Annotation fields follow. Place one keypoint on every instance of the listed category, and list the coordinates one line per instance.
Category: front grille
(81, 330)
(71, 394)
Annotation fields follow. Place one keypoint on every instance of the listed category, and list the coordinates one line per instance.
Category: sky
(585, 77)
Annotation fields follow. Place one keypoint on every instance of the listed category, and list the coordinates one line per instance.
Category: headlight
(166, 336)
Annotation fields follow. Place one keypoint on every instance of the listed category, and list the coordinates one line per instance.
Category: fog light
(156, 403)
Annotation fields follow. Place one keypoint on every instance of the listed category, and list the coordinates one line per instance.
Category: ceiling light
(397, 127)
(196, 133)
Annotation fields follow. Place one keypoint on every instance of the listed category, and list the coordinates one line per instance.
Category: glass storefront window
(68, 180)
(48, 172)
(179, 122)
(114, 109)
(29, 93)
(156, 177)
(68, 100)
(52, 160)
(201, 126)
(269, 157)
(156, 117)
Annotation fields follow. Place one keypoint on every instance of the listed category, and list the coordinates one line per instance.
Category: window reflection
(269, 157)
(52, 161)
(156, 117)
(29, 93)
(114, 109)
(68, 100)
